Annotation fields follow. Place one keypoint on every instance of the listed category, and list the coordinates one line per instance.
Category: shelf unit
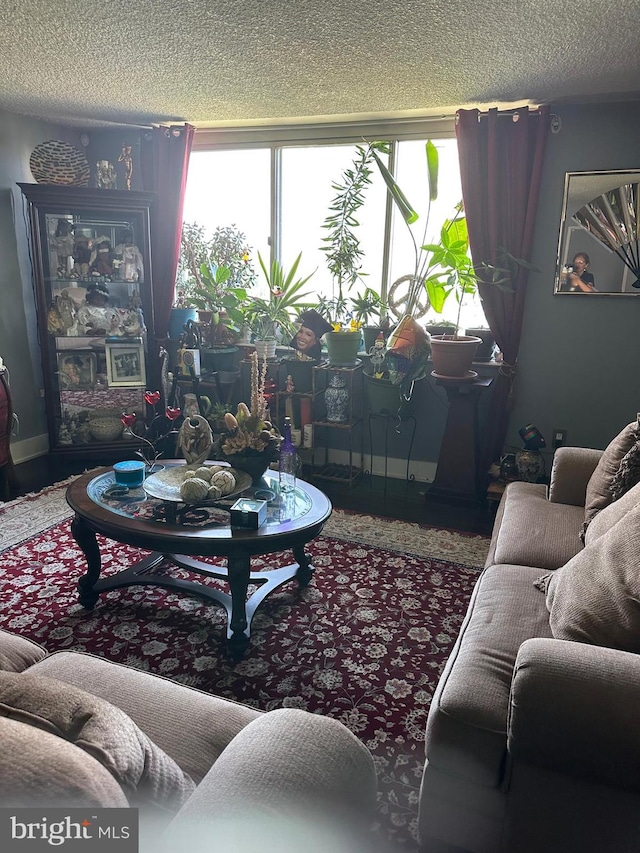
(97, 361)
(352, 429)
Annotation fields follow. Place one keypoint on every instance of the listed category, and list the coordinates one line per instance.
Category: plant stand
(388, 420)
(457, 477)
(324, 469)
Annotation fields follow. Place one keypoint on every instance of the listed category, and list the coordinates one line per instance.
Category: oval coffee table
(138, 520)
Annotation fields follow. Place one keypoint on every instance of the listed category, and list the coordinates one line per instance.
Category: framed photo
(76, 370)
(125, 365)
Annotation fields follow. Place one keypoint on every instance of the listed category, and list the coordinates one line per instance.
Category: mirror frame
(573, 238)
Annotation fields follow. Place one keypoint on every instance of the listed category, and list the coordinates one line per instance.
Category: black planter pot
(487, 347)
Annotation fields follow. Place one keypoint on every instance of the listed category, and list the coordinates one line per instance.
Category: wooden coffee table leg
(86, 539)
(305, 570)
(238, 569)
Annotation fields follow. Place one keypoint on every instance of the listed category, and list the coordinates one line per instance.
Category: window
(278, 193)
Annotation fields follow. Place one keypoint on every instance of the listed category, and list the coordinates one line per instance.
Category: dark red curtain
(165, 163)
(501, 157)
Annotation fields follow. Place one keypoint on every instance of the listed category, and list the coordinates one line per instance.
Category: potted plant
(366, 306)
(442, 269)
(273, 319)
(344, 256)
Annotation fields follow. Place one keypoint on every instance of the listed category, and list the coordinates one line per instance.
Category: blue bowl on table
(130, 473)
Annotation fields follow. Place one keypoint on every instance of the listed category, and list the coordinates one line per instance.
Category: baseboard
(29, 448)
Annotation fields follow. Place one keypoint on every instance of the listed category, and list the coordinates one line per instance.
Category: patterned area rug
(365, 643)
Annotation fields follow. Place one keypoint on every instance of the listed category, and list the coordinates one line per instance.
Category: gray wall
(18, 335)
(579, 357)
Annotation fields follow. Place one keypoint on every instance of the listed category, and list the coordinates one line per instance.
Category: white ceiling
(212, 62)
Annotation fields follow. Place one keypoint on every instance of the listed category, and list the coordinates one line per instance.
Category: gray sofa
(77, 730)
(532, 740)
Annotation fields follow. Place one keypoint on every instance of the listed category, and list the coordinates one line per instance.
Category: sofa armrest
(571, 471)
(574, 710)
(286, 767)
(17, 653)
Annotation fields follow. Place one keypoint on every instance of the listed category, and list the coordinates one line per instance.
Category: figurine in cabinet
(62, 242)
(95, 317)
(307, 340)
(130, 258)
(81, 256)
(102, 258)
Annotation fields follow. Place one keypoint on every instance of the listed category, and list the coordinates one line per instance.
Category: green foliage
(268, 317)
(213, 293)
(229, 248)
(366, 305)
(341, 244)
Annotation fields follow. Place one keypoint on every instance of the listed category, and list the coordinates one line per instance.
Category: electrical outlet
(559, 437)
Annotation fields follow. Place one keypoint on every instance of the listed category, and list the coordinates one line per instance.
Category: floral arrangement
(249, 431)
(155, 432)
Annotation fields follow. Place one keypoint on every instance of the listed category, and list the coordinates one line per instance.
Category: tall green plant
(342, 246)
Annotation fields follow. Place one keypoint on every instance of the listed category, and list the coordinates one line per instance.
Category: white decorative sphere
(224, 480)
(214, 493)
(204, 473)
(194, 490)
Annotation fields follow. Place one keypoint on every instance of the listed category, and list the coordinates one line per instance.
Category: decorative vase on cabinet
(336, 398)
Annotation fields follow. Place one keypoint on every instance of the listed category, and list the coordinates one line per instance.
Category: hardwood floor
(393, 498)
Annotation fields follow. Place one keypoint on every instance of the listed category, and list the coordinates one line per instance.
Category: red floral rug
(365, 643)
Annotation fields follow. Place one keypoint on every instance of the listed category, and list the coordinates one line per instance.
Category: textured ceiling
(214, 62)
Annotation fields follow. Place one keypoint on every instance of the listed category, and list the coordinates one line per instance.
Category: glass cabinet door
(91, 259)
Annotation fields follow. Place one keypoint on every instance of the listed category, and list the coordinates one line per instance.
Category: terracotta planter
(453, 357)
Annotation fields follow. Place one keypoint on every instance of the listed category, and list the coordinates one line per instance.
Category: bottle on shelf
(288, 461)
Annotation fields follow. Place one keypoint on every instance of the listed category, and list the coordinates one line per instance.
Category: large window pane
(232, 188)
(411, 174)
(308, 175)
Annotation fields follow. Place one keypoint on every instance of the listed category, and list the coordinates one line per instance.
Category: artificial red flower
(128, 419)
(152, 397)
(172, 414)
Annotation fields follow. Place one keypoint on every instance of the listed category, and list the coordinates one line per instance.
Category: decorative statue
(106, 175)
(195, 439)
(377, 354)
(307, 340)
(126, 158)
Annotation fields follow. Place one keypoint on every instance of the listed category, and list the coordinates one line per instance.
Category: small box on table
(248, 513)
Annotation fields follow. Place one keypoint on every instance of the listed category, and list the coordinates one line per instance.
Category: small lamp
(529, 461)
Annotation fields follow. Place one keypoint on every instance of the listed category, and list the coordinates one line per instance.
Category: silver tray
(165, 484)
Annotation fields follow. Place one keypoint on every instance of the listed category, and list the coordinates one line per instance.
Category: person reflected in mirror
(578, 278)
(306, 343)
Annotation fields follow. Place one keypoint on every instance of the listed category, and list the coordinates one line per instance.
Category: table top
(147, 522)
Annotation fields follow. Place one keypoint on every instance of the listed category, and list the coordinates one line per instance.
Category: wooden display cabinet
(97, 359)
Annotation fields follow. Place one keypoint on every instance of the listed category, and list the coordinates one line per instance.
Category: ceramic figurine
(195, 440)
(126, 158)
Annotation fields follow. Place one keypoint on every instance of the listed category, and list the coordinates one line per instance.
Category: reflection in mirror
(598, 248)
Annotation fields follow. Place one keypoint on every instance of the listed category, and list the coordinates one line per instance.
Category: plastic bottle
(288, 460)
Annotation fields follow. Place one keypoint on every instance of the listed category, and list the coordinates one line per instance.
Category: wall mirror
(600, 221)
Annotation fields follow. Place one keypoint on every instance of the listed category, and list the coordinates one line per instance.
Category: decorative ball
(204, 473)
(193, 490)
(224, 480)
(188, 474)
(214, 493)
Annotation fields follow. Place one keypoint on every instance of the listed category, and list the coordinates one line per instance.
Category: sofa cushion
(599, 486)
(17, 653)
(595, 598)
(610, 515)
(534, 531)
(467, 722)
(38, 768)
(145, 773)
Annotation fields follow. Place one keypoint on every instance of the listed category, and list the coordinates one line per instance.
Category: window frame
(278, 137)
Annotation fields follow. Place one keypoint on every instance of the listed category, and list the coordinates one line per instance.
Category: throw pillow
(598, 494)
(595, 597)
(145, 773)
